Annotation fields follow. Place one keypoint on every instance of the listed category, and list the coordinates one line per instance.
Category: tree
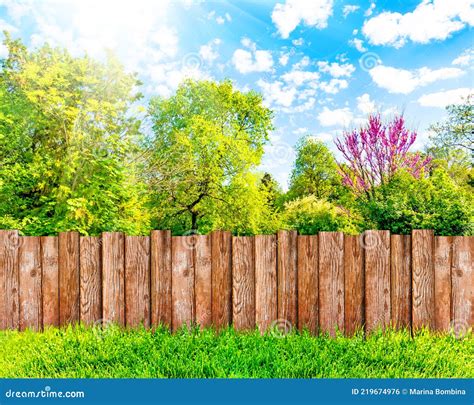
(310, 215)
(457, 131)
(67, 138)
(208, 141)
(315, 171)
(376, 152)
(435, 202)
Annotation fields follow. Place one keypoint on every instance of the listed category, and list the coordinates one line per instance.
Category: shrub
(308, 215)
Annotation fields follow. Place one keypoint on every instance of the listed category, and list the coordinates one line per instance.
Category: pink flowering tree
(376, 152)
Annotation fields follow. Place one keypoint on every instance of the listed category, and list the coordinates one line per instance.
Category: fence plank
(113, 278)
(50, 280)
(377, 278)
(69, 290)
(243, 282)
(90, 279)
(137, 281)
(308, 283)
(423, 278)
(203, 279)
(182, 290)
(287, 276)
(161, 278)
(401, 289)
(442, 281)
(354, 284)
(462, 284)
(265, 281)
(9, 279)
(221, 278)
(30, 283)
(331, 281)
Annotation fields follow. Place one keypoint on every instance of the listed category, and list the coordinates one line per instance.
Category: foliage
(66, 139)
(138, 353)
(456, 162)
(376, 152)
(436, 202)
(309, 215)
(315, 172)
(208, 142)
(457, 131)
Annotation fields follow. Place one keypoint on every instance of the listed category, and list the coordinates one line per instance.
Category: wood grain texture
(442, 282)
(182, 290)
(221, 242)
(203, 279)
(331, 282)
(50, 280)
(377, 279)
(287, 276)
(113, 278)
(401, 289)
(354, 284)
(462, 284)
(137, 281)
(308, 283)
(243, 282)
(90, 279)
(161, 278)
(69, 283)
(30, 283)
(423, 299)
(265, 281)
(9, 280)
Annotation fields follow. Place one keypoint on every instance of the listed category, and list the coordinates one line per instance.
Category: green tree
(315, 172)
(457, 131)
(67, 136)
(208, 141)
(435, 202)
(310, 215)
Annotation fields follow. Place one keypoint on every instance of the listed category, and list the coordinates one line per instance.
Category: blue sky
(322, 65)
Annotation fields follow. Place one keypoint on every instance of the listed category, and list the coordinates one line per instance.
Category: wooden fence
(320, 282)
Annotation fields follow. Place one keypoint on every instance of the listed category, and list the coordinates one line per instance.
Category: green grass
(113, 352)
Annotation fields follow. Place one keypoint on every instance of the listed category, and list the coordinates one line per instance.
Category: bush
(308, 216)
(435, 202)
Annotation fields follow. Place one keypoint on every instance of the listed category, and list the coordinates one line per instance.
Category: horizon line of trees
(75, 155)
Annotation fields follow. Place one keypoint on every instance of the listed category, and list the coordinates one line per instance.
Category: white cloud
(284, 59)
(334, 86)
(335, 69)
(431, 20)
(337, 117)
(277, 93)
(444, 98)
(298, 77)
(300, 131)
(220, 20)
(370, 10)
(253, 60)
(465, 59)
(208, 52)
(358, 44)
(298, 42)
(365, 105)
(405, 81)
(348, 9)
(289, 15)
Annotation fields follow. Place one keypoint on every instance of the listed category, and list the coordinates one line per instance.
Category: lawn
(113, 352)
